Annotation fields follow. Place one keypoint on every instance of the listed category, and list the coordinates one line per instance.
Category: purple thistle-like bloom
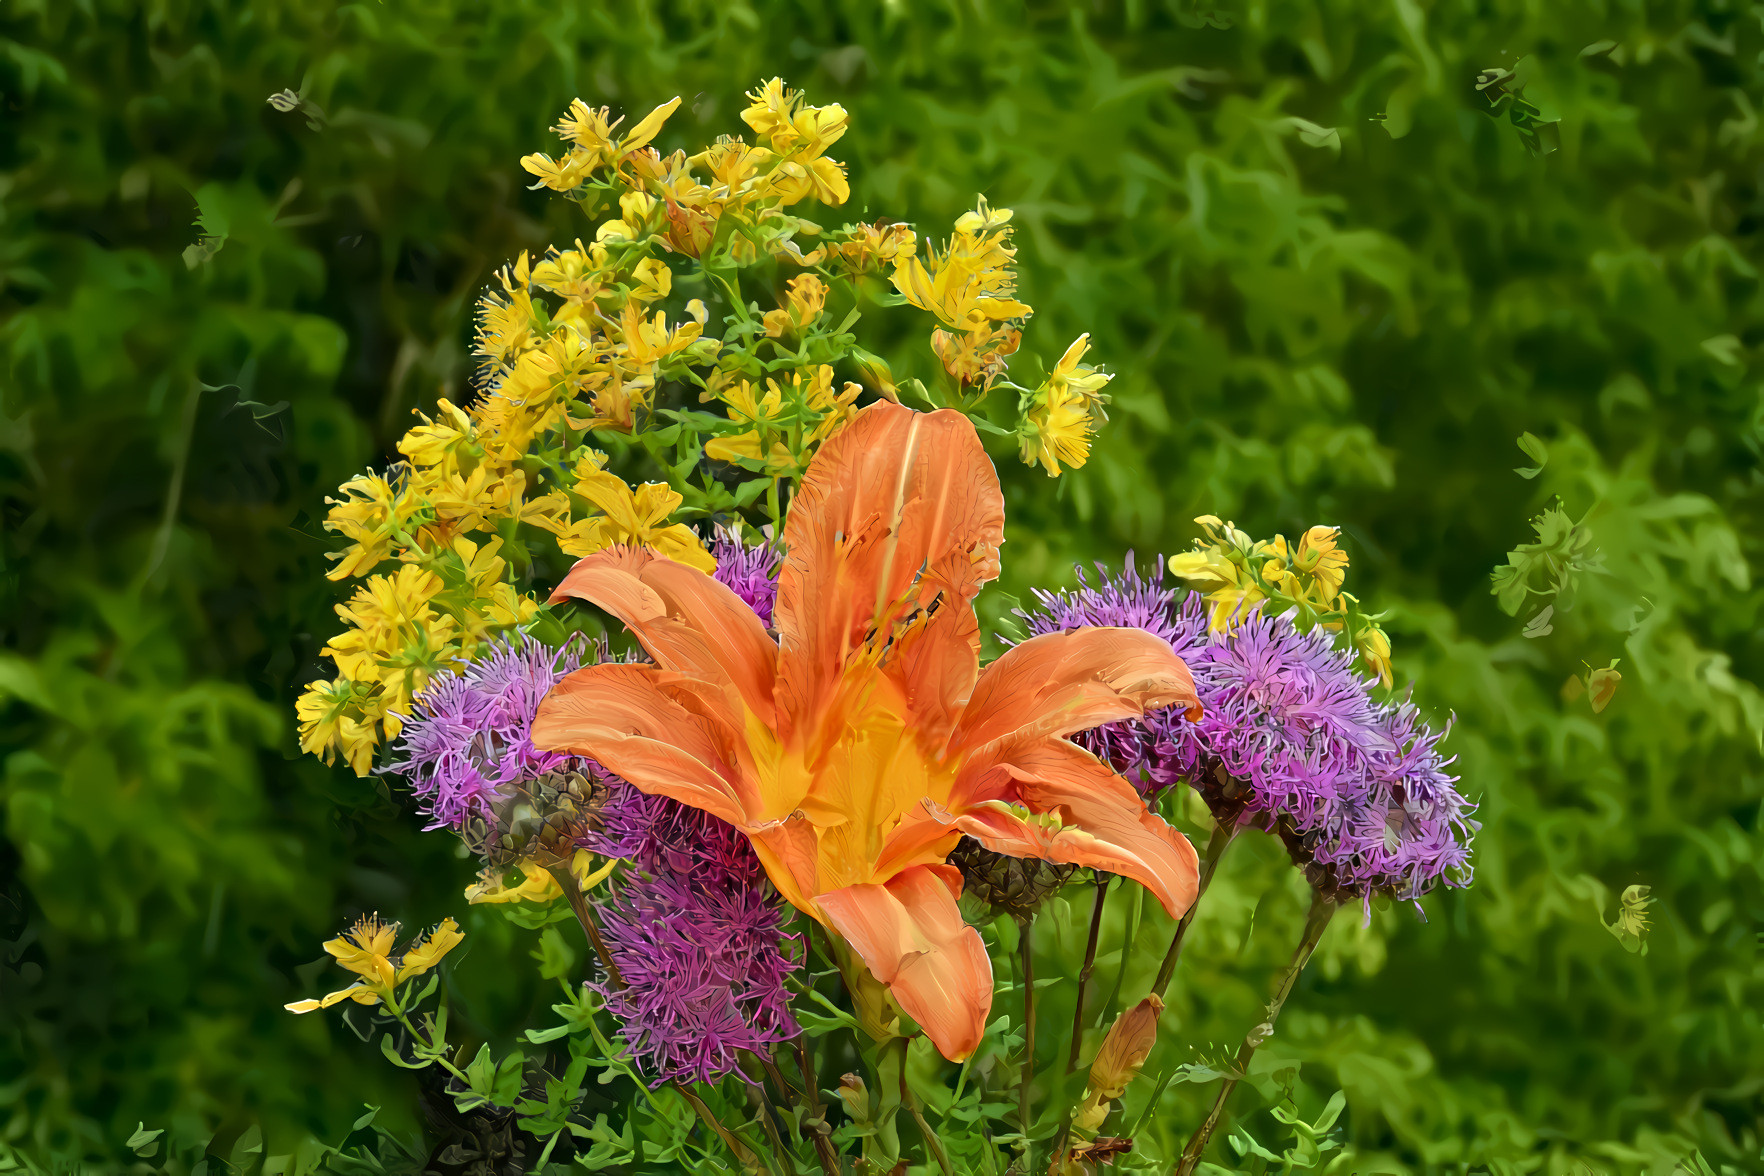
(1291, 741)
(750, 570)
(467, 737)
(697, 933)
(694, 927)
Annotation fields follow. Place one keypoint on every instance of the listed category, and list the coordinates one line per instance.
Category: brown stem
(1027, 956)
(573, 892)
(1322, 907)
(1217, 844)
(1096, 918)
(817, 1125)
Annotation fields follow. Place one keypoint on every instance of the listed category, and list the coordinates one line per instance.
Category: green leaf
(1534, 449)
(143, 1142)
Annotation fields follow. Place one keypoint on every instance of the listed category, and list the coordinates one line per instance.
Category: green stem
(1026, 955)
(1133, 916)
(931, 1138)
(1216, 847)
(1096, 918)
(1316, 922)
(742, 1149)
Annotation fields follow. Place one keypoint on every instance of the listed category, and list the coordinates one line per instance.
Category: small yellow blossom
(372, 515)
(1314, 571)
(805, 298)
(971, 288)
(537, 883)
(332, 722)
(1056, 431)
(634, 518)
(366, 950)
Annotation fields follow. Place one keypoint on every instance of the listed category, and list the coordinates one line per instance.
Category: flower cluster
(1239, 575)
(613, 340)
(1291, 740)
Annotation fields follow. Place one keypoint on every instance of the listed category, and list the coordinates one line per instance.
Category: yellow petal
(681, 544)
(428, 952)
(651, 125)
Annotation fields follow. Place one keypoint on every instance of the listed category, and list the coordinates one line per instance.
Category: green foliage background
(1349, 327)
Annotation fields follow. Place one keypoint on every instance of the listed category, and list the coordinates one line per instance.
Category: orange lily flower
(858, 747)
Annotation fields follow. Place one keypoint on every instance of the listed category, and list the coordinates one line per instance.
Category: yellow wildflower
(1373, 646)
(798, 416)
(805, 298)
(1314, 571)
(971, 288)
(799, 133)
(372, 515)
(505, 320)
(537, 883)
(591, 133)
(1055, 431)
(447, 439)
(632, 518)
(1221, 570)
(395, 637)
(866, 248)
(1072, 376)
(331, 722)
(366, 950)
(759, 413)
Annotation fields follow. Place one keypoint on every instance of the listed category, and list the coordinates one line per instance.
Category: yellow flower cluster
(1240, 574)
(590, 350)
(971, 287)
(785, 423)
(1060, 415)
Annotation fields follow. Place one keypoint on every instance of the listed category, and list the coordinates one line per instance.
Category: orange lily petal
(1100, 820)
(1061, 683)
(893, 493)
(686, 620)
(662, 741)
(910, 934)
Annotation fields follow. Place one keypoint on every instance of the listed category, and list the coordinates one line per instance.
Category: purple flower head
(704, 970)
(697, 933)
(1291, 741)
(749, 570)
(1157, 751)
(468, 738)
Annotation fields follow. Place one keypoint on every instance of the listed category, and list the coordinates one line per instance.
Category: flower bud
(1123, 1053)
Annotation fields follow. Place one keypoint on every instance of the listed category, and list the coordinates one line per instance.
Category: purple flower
(749, 570)
(1292, 741)
(697, 933)
(467, 738)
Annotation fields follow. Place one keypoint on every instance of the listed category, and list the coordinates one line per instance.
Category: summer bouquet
(725, 736)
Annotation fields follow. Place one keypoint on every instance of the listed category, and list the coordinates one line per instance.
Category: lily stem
(932, 1140)
(1322, 907)
(1096, 918)
(1217, 844)
(1026, 955)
